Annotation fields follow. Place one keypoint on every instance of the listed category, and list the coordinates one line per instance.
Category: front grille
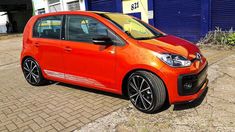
(196, 81)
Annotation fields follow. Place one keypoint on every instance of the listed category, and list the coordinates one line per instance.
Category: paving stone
(11, 127)
(57, 126)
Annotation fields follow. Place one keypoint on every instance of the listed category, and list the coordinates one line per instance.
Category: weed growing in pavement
(219, 37)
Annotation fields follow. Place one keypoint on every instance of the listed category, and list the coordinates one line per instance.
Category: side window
(48, 27)
(83, 29)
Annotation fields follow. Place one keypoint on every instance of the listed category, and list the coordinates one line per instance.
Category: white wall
(81, 2)
(39, 4)
(3, 20)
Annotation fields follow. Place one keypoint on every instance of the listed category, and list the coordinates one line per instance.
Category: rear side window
(83, 29)
(48, 27)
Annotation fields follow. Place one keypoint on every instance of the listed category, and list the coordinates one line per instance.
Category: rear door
(46, 39)
(87, 63)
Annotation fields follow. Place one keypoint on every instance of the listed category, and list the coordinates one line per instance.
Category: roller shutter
(103, 5)
(179, 17)
(223, 14)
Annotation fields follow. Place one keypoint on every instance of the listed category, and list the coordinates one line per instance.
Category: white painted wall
(39, 4)
(81, 2)
(3, 20)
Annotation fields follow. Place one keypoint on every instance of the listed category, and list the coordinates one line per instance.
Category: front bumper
(175, 78)
(189, 84)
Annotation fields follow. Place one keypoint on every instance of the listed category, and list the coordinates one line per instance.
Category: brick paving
(55, 107)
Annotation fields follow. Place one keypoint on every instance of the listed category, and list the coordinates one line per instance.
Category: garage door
(223, 14)
(179, 17)
(103, 5)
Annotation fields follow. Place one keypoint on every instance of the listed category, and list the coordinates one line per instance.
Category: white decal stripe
(84, 80)
(54, 74)
(78, 79)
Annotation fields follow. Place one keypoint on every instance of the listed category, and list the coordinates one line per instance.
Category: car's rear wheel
(146, 91)
(32, 72)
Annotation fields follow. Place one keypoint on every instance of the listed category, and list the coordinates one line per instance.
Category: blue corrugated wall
(189, 19)
(223, 14)
(179, 17)
(105, 5)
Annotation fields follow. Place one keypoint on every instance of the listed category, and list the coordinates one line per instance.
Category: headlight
(174, 60)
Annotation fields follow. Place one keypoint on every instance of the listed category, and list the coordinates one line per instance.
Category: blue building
(189, 19)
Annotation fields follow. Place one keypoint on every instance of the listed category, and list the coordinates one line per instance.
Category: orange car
(115, 53)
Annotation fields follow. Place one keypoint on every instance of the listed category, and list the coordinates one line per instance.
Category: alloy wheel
(140, 92)
(31, 71)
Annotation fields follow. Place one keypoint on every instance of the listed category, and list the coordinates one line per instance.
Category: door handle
(112, 51)
(36, 44)
(67, 49)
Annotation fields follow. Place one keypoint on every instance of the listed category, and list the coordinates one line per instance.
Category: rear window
(48, 27)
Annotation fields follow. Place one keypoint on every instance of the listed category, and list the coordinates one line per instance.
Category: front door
(87, 63)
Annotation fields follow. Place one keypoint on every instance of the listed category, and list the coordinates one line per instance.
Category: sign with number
(134, 6)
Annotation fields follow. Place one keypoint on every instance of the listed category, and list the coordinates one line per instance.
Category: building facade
(3, 19)
(17, 13)
(46, 6)
(190, 19)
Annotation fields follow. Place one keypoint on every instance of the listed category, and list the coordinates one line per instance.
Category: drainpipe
(151, 12)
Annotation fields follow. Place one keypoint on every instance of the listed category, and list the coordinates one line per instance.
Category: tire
(32, 72)
(146, 91)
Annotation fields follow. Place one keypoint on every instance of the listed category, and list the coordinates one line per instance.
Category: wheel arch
(29, 56)
(25, 57)
(42, 80)
(127, 75)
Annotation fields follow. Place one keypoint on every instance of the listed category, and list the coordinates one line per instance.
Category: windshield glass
(133, 27)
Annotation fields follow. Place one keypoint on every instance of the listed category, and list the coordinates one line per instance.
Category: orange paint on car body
(104, 67)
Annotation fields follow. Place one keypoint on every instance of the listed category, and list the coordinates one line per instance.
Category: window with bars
(55, 7)
(53, 1)
(73, 5)
(41, 11)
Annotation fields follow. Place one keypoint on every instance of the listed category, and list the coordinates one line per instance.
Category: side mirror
(102, 40)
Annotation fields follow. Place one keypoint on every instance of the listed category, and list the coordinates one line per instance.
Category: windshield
(132, 27)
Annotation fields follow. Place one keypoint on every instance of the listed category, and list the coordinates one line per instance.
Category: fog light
(188, 85)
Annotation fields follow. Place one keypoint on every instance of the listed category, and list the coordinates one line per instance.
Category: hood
(171, 44)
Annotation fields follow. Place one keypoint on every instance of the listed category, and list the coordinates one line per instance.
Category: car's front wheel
(32, 72)
(146, 91)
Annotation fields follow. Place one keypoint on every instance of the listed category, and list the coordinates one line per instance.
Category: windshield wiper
(146, 38)
(128, 33)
